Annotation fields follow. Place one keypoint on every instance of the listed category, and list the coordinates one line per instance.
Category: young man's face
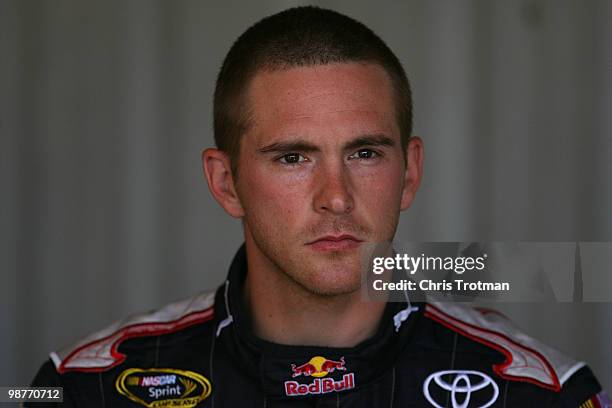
(322, 171)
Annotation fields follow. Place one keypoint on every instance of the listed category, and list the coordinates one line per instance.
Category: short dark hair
(301, 36)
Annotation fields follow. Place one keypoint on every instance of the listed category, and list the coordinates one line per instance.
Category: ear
(414, 171)
(218, 173)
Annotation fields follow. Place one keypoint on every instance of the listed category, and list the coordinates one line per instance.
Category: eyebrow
(370, 140)
(304, 146)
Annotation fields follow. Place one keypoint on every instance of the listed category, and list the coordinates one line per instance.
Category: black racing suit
(200, 352)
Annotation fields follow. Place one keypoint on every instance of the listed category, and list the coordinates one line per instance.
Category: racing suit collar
(275, 364)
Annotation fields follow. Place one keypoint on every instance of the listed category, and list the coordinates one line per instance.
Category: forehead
(347, 95)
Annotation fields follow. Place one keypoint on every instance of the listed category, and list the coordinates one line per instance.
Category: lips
(335, 243)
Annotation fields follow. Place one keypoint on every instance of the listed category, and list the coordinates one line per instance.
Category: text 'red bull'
(320, 386)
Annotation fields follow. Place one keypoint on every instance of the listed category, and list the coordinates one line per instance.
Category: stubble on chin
(324, 274)
(319, 273)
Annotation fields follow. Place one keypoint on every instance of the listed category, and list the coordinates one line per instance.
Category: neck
(284, 312)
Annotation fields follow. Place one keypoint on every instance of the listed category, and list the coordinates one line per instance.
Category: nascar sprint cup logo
(467, 389)
(163, 387)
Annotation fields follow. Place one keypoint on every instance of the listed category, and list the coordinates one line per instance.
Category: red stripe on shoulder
(503, 344)
(99, 351)
(136, 330)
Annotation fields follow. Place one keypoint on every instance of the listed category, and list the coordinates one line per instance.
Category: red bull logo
(319, 367)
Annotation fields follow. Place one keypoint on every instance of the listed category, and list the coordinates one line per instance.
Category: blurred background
(106, 105)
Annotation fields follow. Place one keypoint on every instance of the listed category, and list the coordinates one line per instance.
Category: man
(315, 156)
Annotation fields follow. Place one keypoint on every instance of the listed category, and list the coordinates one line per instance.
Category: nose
(333, 192)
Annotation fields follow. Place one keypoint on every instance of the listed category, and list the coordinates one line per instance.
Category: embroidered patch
(319, 367)
(163, 387)
(461, 386)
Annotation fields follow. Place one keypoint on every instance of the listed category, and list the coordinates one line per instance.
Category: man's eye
(292, 158)
(364, 154)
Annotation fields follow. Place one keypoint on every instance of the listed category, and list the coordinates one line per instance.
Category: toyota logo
(463, 383)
